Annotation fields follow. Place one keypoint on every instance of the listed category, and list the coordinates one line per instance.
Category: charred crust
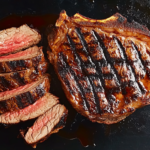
(9, 81)
(18, 65)
(19, 103)
(116, 29)
(23, 100)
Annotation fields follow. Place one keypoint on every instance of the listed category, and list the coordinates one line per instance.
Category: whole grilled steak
(31, 111)
(103, 65)
(16, 39)
(50, 122)
(31, 57)
(9, 81)
(24, 96)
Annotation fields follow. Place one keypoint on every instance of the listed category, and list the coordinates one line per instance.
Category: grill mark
(19, 101)
(12, 65)
(26, 99)
(108, 59)
(21, 63)
(104, 62)
(18, 79)
(29, 97)
(124, 56)
(67, 67)
(139, 54)
(136, 62)
(4, 82)
(63, 71)
(143, 89)
(140, 57)
(84, 65)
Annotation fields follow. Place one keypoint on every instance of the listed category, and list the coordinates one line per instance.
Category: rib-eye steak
(16, 39)
(24, 96)
(9, 81)
(22, 60)
(32, 111)
(50, 122)
(103, 65)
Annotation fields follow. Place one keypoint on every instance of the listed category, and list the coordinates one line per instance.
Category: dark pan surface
(133, 133)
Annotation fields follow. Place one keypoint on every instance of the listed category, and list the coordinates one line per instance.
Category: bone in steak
(24, 96)
(30, 112)
(16, 39)
(103, 65)
(9, 81)
(46, 124)
(22, 60)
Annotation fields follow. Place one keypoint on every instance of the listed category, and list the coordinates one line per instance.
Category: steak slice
(16, 39)
(103, 65)
(31, 57)
(50, 122)
(31, 111)
(24, 96)
(9, 81)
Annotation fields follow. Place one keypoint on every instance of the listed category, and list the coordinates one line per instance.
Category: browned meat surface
(30, 112)
(15, 39)
(103, 65)
(50, 122)
(22, 60)
(9, 81)
(24, 96)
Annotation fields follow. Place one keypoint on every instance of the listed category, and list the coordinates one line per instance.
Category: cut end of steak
(32, 111)
(16, 39)
(10, 81)
(28, 58)
(24, 96)
(45, 125)
(103, 65)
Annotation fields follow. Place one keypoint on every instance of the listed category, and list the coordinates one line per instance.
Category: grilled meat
(22, 60)
(103, 65)
(32, 111)
(24, 96)
(50, 122)
(16, 39)
(9, 81)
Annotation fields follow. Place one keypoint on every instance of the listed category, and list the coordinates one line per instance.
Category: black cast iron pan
(133, 133)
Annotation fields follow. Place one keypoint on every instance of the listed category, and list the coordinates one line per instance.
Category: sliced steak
(9, 81)
(103, 65)
(30, 112)
(45, 125)
(15, 39)
(31, 57)
(24, 96)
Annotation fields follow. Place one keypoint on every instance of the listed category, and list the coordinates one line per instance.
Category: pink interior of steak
(45, 124)
(19, 90)
(30, 52)
(14, 39)
(30, 112)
